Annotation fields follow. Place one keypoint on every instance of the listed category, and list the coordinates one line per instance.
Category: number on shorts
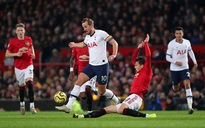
(188, 74)
(30, 71)
(103, 78)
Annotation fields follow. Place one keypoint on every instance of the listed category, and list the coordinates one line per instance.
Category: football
(60, 97)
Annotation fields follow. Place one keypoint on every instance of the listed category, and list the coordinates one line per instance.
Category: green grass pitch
(55, 119)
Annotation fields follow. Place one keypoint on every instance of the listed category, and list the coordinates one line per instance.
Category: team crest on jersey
(27, 43)
(84, 57)
(93, 44)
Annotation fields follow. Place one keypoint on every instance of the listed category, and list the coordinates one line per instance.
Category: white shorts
(91, 83)
(133, 101)
(22, 75)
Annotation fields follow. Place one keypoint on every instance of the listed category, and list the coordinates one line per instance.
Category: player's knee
(187, 84)
(83, 96)
(101, 92)
(121, 107)
(23, 85)
(175, 88)
(121, 111)
(29, 81)
(88, 89)
(101, 89)
(79, 82)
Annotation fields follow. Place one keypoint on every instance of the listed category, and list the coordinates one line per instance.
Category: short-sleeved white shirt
(179, 52)
(97, 45)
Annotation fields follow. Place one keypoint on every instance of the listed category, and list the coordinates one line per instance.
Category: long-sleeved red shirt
(142, 78)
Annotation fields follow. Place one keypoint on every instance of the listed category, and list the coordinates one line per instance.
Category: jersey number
(188, 74)
(30, 71)
(103, 78)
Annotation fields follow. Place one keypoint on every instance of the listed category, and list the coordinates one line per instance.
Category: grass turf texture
(54, 119)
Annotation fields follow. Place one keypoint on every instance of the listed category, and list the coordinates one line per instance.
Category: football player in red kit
(22, 50)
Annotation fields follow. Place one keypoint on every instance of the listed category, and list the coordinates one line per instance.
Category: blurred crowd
(52, 24)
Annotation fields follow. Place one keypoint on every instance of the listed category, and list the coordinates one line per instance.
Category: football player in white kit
(96, 40)
(81, 56)
(177, 55)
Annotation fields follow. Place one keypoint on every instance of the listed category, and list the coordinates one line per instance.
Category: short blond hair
(20, 25)
(90, 21)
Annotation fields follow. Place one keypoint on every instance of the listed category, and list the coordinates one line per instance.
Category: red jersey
(142, 79)
(82, 57)
(25, 60)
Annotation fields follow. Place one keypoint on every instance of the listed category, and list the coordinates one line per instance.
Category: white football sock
(189, 97)
(74, 94)
(22, 104)
(32, 105)
(109, 94)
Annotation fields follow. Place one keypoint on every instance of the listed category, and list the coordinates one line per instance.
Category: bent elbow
(168, 57)
(6, 55)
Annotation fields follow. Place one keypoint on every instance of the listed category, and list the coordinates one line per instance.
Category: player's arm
(10, 54)
(191, 54)
(135, 55)
(72, 62)
(33, 52)
(114, 49)
(79, 45)
(147, 49)
(169, 55)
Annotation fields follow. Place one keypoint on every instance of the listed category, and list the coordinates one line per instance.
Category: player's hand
(147, 38)
(195, 65)
(71, 44)
(111, 57)
(33, 56)
(71, 76)
(19, 54)
(141, 45)
(178, 63)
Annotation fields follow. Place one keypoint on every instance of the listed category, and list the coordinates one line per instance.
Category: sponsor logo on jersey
(27, 43)
(181, 52)
(84, 57)
(93, 44)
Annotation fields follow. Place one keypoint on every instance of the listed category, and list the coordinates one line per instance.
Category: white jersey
(179, 52)
(97, 46)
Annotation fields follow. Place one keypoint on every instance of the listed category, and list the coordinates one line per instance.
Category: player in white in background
(177, 55)
(96, 40)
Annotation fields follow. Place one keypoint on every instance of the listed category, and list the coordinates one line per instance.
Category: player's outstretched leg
(109, 94)
(89, 100)
(62, 108)
(134, 113)
(73, 96)
(93, 114)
